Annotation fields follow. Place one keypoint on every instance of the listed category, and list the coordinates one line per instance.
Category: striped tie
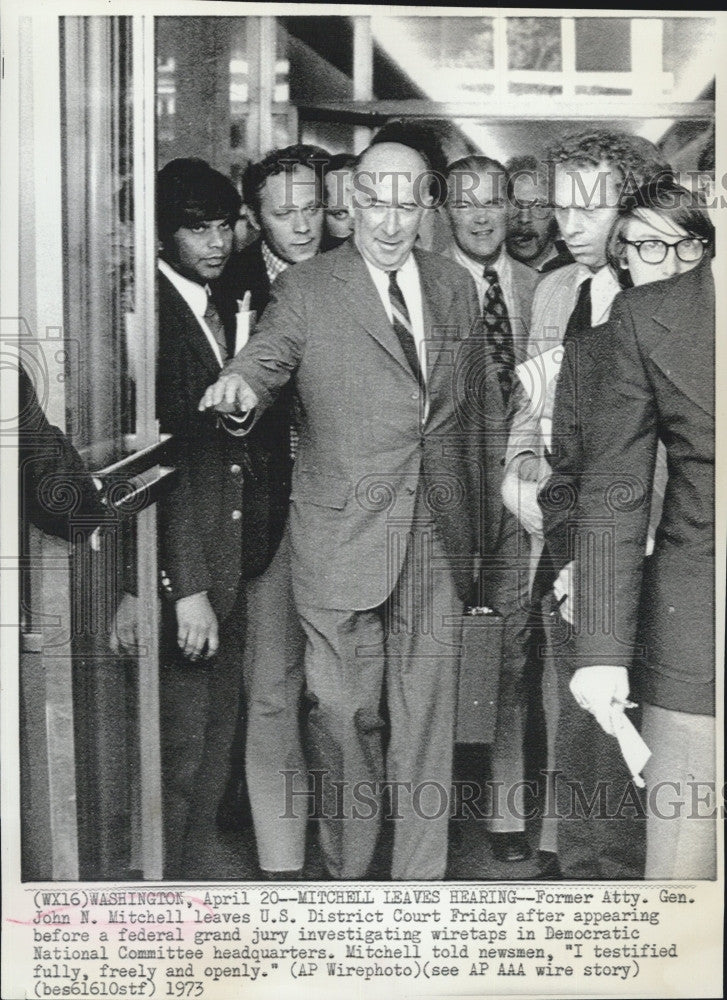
(402, 328)
(498, 331)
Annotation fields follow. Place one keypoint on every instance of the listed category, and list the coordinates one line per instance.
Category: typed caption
(219, 941)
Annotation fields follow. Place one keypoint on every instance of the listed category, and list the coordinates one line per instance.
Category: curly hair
(637, 160)
(277, 162)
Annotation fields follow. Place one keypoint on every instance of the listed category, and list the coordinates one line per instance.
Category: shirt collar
(380, 277)
(194, 294)
(501, 264)
(274, 265)
(604, 289)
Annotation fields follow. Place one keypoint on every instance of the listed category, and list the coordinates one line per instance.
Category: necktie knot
(490, 274)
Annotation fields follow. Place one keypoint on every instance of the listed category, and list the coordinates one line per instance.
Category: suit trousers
(681, 828)
(510, 596)
(199, 717)
(412, 644)
(273, 672)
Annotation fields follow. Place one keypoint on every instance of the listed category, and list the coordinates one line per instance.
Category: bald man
(394, 502)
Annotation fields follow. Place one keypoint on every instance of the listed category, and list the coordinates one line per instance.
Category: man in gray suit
(393, 505)
(478, 211)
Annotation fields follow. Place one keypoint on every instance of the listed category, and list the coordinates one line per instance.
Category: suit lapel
(439, 330)
(187, 327)
(362, 302)
(685, 351)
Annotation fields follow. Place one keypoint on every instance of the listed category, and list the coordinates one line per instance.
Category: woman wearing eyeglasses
(644, 626)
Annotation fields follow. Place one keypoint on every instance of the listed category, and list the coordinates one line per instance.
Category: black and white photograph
(363, 554)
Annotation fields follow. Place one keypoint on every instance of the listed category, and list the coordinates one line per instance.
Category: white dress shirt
(195, 295)
(407, 277)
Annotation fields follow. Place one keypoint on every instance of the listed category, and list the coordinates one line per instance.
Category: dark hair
(636, 159)
(277, 162)
(341, 161)
(476, 163)
(526, 166)
(190, 191)
(665, 197)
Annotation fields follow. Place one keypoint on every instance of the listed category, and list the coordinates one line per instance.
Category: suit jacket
(365, 440)
(216, 525)
(660, 386)
(57, 493)
(245, 271)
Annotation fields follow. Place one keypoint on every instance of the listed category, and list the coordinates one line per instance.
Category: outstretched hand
(229, 394)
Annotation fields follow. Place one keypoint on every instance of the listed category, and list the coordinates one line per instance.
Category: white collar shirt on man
(407, 277)
(604, 289)
(195, 295)
(502, 265)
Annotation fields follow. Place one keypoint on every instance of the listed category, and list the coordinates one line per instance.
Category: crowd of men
(360, 462)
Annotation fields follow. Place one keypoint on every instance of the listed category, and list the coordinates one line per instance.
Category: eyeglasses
(688, 250)
(538, 209)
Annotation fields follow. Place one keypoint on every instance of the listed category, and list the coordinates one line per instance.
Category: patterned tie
(403, 329)
(498, 331)
(214, 324)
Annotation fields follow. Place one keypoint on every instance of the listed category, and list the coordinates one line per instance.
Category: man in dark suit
(394, 500)
(652, 629)
(217, 525)
(282, 194)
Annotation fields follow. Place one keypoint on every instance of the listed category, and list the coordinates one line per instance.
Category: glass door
(89, 714)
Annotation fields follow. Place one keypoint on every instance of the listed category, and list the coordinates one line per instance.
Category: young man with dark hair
(216, 525)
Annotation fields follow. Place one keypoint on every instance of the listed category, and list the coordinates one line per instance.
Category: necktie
(402, 327)
(498, 331)
(580, 318)
(214, 324)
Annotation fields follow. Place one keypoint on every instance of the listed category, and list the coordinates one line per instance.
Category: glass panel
(445, 58)
(105, 696)
(320, 55)
(603, 44)
(110, 396)
(534, 43)
(98, 235)
(202, 86)
(688, 53)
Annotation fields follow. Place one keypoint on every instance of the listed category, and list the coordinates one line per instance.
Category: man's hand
(124, 636)
(229, 394)
(521, 498)
(196, 626)
(602, 691)
(563, 590)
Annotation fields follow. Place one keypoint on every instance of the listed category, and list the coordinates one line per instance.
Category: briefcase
(479, 676)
